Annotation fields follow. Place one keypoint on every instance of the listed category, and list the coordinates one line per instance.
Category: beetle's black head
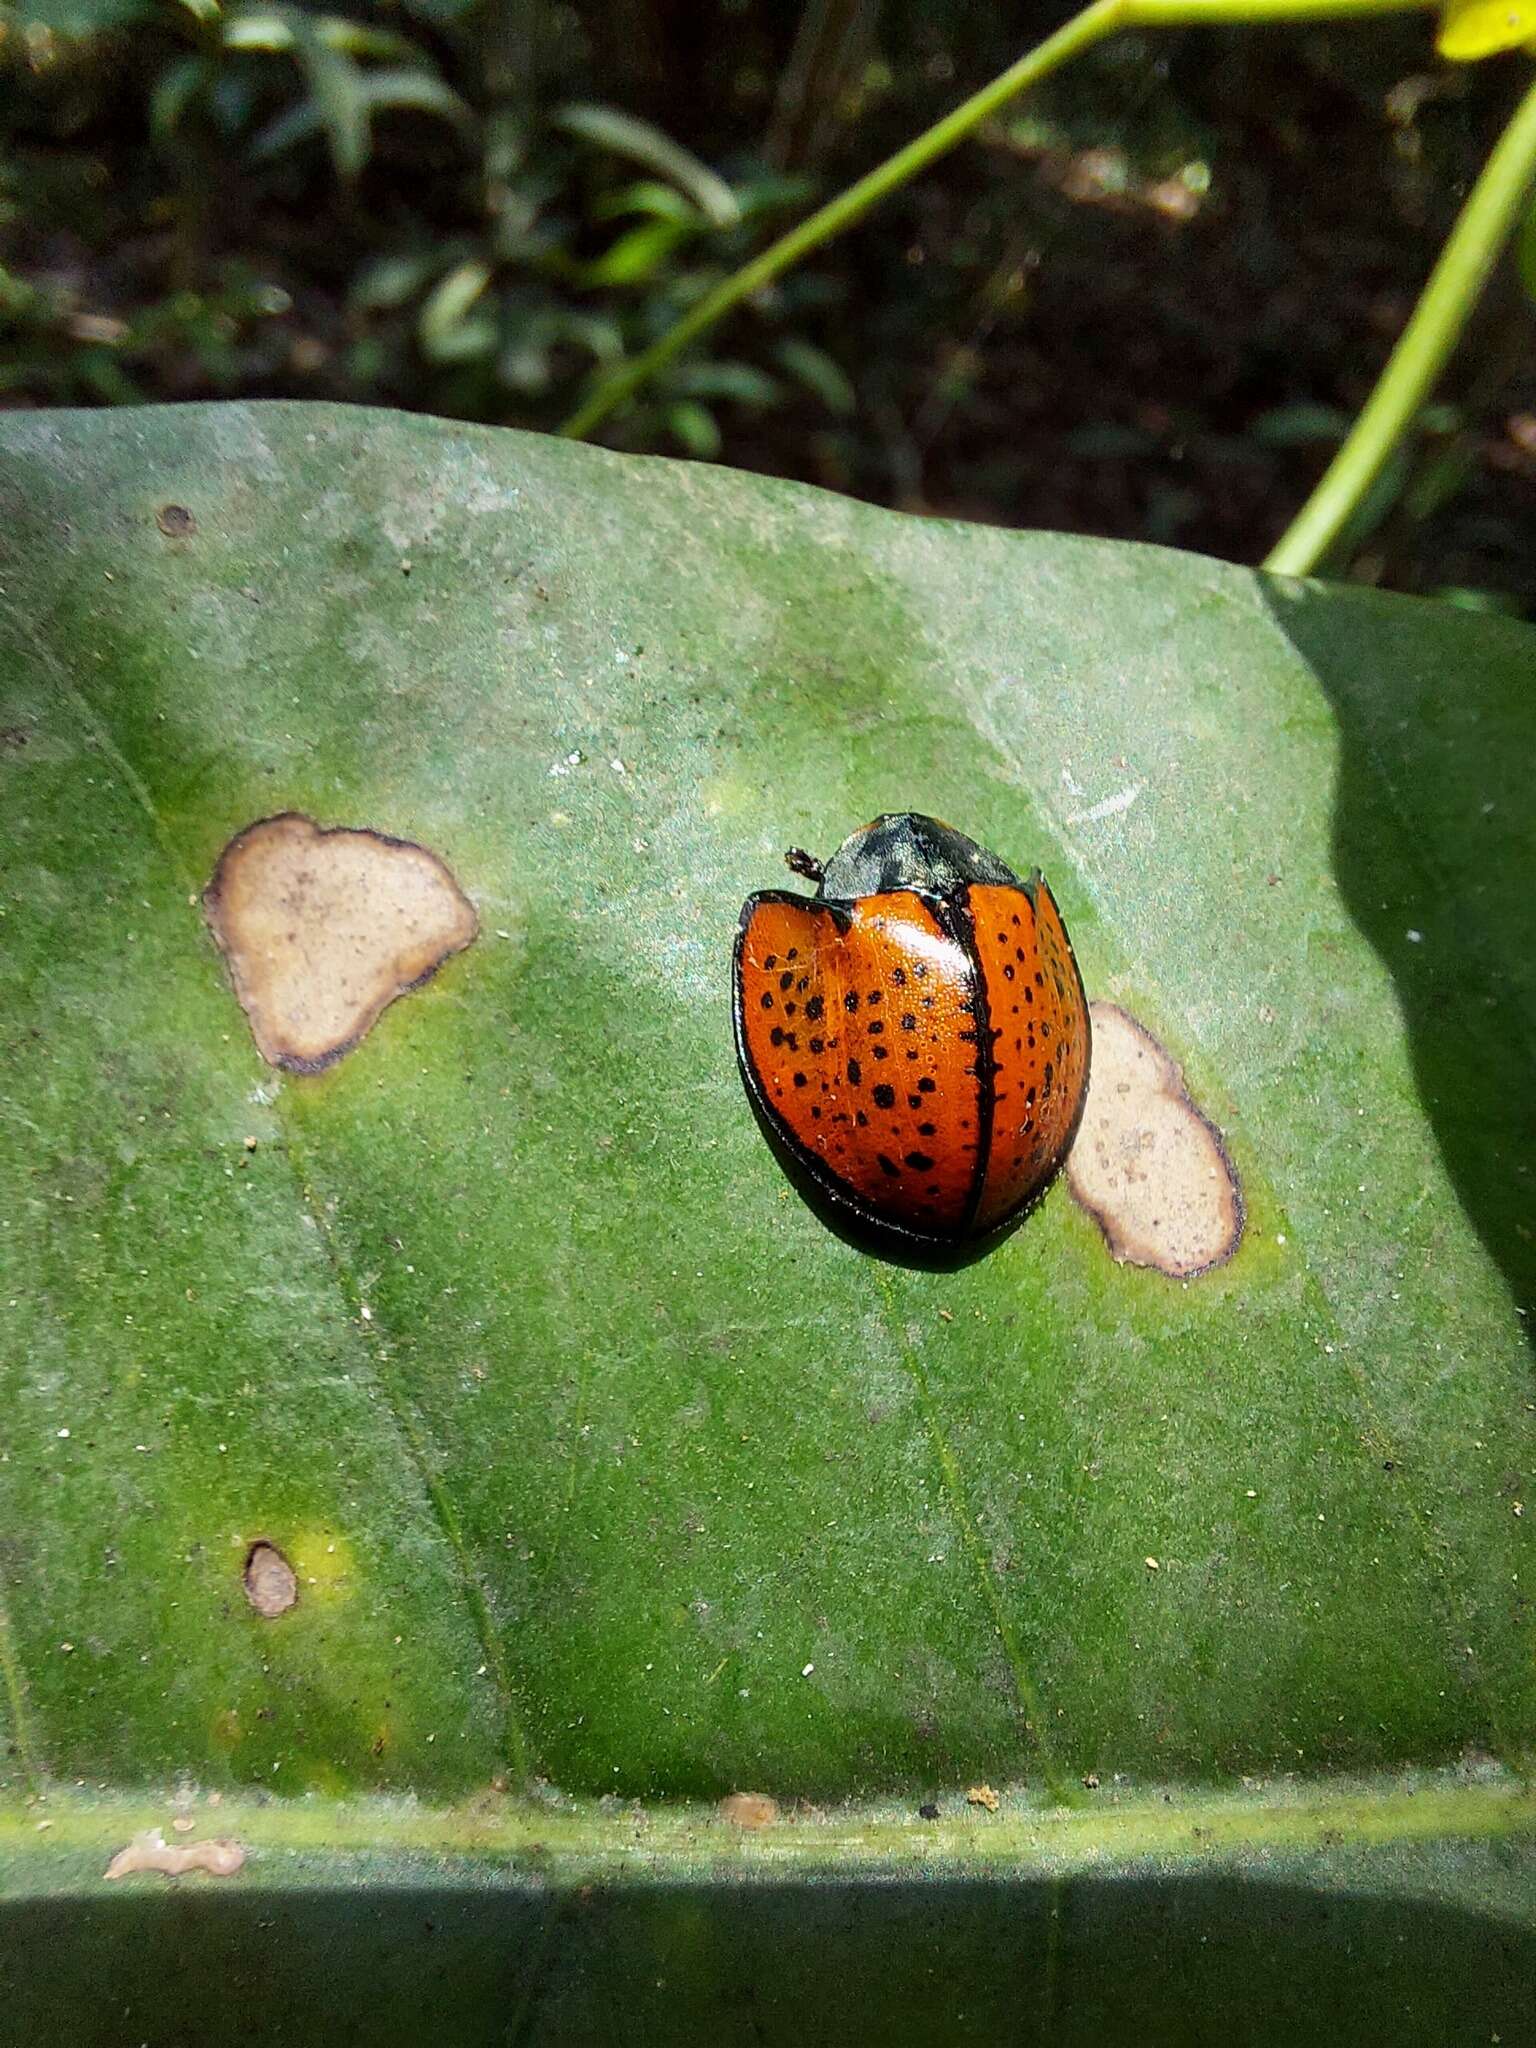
(903, 850)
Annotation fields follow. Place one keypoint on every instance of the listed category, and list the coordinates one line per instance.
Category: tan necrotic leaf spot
(323, 929)
(1147, 1164)
(749, 1810)
(150, 1851)
(271, 1584)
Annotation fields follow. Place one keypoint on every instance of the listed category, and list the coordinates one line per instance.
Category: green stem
(1095, 21)
(1455, 284)
(1101, 18)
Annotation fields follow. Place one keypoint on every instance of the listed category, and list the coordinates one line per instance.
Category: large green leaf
(600, 1461)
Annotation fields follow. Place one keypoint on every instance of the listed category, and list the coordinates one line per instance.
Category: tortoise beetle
(914, 1038)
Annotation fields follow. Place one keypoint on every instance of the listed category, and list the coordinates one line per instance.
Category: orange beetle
(914, 1038)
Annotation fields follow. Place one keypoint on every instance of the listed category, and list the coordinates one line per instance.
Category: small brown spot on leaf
(1147, 1165)
(749, 1810)
(150, 1851)
(322, 930)
(271, 1585)
(175, 522)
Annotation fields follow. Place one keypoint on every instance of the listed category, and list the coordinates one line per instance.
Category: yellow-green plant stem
(1483, 226)
(1102, 18)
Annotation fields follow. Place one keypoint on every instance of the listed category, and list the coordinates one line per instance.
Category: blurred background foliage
(1145, 303)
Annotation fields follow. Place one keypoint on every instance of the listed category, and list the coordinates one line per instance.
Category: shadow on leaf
(1155, 1961)
(1434, 838)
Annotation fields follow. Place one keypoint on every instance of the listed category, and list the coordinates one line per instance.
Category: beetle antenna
(799, 862)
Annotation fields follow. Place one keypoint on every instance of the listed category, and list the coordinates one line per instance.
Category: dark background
(1145, 302)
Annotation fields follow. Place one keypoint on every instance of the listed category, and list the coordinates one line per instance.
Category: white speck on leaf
(1109, 807)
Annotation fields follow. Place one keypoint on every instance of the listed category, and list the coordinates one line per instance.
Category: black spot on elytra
(888, 1165)
(927, 1130)
(799, 1080)
(776, 1035)
(1007, 970)
(885, 1096)
(899, 976)
(818, 1046)
(771, 962)
(914, 1102)
(814, 1008)
(873, 996)
(793, 953)
(919, 1162)
(855, 1073)
(786, 982)
(876, 1028)
(881, 1052)
(927, 1084)
(766, 1000)
(851, 1001)
(908, 1021)
(860, 1118)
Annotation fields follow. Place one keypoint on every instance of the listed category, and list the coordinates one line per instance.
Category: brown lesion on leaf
(323, 928)
(150, 1851)
(748, 1810)
(1147, 1164)
(271, 1584)
(175, 522)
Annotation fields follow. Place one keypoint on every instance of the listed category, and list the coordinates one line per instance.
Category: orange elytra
(914, 1037)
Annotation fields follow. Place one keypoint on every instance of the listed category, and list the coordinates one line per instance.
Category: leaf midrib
(311, 1841)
